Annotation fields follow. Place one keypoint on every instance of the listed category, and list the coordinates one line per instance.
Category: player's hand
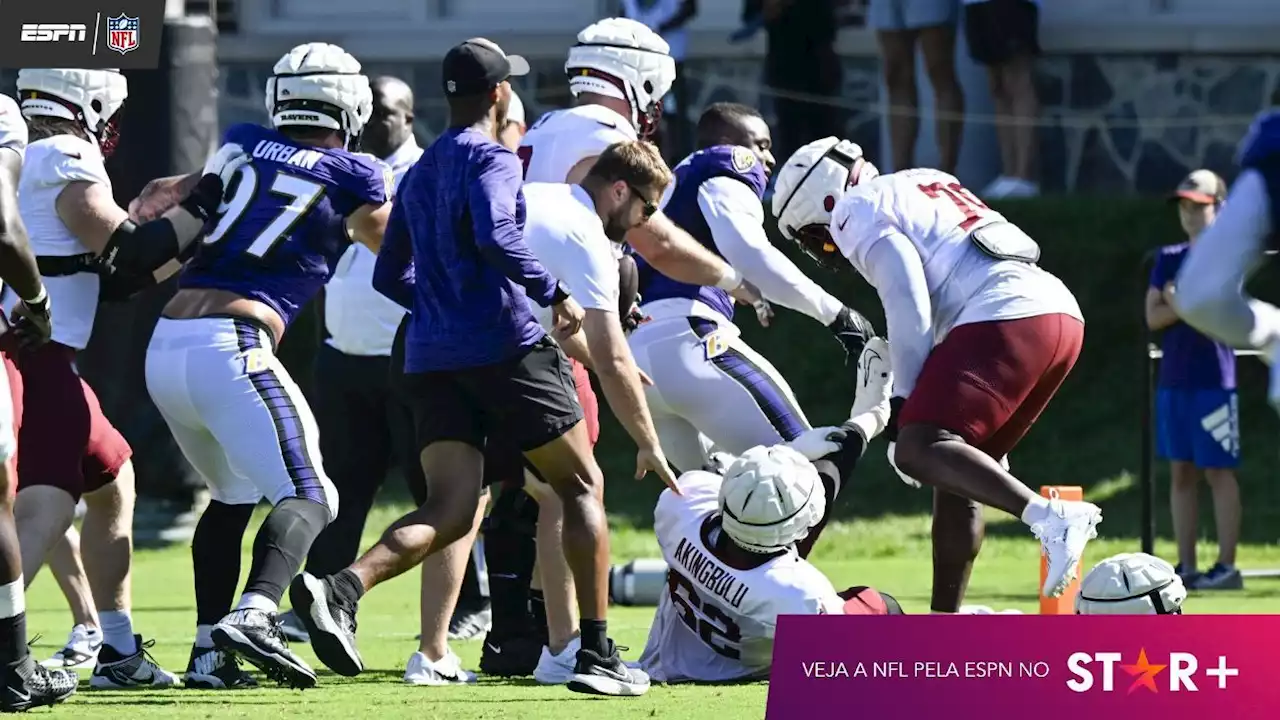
(764, 312)
(224, 163)
(32, 323)
(1167, 292)
(652, 460)
(893, 463)
(747, 294)
(853, 331)
(818, 443)
(633, 319)
(159, 196)
(567, 316)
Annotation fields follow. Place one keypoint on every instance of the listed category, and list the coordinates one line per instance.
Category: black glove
(853, 331)
(203, 200)
(895, 408)
(32, 323)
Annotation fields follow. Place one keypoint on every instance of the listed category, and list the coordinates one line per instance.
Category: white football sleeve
(893, 267)
(736, 219)
(13, 128)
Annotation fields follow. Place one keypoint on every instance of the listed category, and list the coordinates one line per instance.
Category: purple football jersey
(281, 226)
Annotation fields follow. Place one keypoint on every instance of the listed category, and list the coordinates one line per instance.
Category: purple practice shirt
(458, 219)
(1191, 360)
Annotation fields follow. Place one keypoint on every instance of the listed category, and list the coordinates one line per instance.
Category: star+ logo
(1096, 671)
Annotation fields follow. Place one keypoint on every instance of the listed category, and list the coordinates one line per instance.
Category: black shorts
(1001, 30)
(506, 408)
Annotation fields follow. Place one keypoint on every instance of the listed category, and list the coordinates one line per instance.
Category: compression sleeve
(736, 219)
(893, 267)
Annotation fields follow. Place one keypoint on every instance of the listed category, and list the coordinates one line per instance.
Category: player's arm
(492, 198)
(596, 287)
(672, 251)
(17, 262)
(368, 224)
(736, 219)
(893, 266)
(393, 270)
(159, 195)
(1160, 314)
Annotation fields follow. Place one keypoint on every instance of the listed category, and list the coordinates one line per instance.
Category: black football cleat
(28, 685)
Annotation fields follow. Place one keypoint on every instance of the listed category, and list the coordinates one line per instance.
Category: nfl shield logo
(122, 33)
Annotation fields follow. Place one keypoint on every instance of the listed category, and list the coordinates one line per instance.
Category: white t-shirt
(564, 232)
(716, 623)
(361, 320)
(908, 233)
(50, 165)
(563, 138)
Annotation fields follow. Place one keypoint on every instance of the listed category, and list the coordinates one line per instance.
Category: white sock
(117, 631)
(204, 636)
(13, 601)
(254, 601)
(1035, 511)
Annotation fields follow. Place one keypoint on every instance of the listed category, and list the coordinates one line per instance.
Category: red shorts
(505, 464)
(862, 600)
(65, 439)
(988, 382)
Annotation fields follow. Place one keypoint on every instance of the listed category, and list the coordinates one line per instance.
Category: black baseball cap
(477, 66)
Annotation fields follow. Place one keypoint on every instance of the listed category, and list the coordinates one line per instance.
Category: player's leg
(954, 445)
(67, 566)
(449, 419)
(547, 419)
(669, 349)
(725, 389)
(514, 643)
(25, 684)
(435, 663)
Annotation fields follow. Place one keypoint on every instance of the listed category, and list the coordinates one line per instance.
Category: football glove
(32, 321)
(853, 331)
(203, 200)
(818, 443)
(893, 463)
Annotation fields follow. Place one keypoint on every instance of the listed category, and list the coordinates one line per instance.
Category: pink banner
(1031, 667)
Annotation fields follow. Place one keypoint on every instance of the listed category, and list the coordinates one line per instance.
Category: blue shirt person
(1197, 414)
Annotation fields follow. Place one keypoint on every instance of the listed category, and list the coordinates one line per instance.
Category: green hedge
(1101, 247)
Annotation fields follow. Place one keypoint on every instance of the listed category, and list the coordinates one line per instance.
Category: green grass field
(889, 552)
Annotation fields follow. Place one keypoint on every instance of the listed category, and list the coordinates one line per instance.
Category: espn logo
(53, 32)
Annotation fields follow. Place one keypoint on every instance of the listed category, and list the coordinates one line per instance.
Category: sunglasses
(650, 207)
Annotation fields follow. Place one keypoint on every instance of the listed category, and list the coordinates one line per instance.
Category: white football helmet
(1131, 584)
(515, 110)
(89, 97)
(770, 498)
(624, 59)
(320, 85)
(807, 189)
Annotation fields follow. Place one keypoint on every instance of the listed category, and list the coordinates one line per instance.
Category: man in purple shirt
(1197, 422)
(478, 367)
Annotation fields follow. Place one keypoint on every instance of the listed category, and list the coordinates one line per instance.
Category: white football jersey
(716, 623)
(50, 165)
(564, 138)
(567, 236)
(937, 214)
(13, 131)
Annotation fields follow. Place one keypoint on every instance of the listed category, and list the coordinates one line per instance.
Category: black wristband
(560, 295)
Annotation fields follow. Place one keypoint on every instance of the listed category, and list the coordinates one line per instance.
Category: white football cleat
(870, 412)
(1068, 526)
(80, 652)
(447, 670)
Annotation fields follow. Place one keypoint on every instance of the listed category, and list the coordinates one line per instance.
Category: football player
(708, 383)
(619, 70)
(288, 214)
(24, 684)
(980, 339)
(1209, 290)
(88, 250)
(736, 537)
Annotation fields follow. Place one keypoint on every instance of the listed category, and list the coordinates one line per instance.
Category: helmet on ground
(770, 498)
(320, 85)
(1131, 584)
(807, 189)
(624, 59)
(92, 98)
